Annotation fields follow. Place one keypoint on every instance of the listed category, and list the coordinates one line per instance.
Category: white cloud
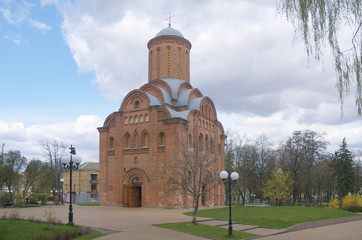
(40, 25)
(82, 134)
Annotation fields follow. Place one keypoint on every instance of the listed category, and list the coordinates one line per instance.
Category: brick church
(149, 130)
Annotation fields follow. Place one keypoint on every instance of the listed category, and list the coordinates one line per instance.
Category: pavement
(136, 223)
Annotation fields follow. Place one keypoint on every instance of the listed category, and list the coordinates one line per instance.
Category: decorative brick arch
(135, 172)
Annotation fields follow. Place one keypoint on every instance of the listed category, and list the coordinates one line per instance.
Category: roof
(89, 166)
(169, 31)
(182, 98)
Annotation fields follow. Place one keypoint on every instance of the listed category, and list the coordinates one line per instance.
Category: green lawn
(87, 204)
(274, 217)
(205, 230)
(21, 229)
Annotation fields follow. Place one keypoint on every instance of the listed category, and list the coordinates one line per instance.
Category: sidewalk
(136, 224)
(333, 229)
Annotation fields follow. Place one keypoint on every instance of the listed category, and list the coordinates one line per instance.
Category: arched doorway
(132, 189)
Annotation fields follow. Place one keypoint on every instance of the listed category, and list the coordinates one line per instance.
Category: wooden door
(126, 190)
(132, 200)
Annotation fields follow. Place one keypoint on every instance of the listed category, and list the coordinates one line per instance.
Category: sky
(66, 65)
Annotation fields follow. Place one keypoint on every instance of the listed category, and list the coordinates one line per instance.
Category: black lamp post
(229, 179)
(72, 164)
(62, 181)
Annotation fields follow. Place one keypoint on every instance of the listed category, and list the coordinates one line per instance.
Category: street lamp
(72, 164)
(62, 181)
(229, 179)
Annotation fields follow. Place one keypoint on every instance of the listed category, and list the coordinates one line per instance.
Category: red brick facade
(147, 131)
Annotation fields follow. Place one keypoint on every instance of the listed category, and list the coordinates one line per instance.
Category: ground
(136, 223)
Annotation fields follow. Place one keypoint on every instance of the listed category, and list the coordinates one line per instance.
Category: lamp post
(62, 181)
(72, 164)
(229, 179)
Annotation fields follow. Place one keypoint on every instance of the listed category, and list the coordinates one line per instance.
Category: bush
(333, 203)
(33, 199)
(352, 203)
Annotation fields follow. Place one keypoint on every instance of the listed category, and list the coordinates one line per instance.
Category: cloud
(82, 133)
(40, 25)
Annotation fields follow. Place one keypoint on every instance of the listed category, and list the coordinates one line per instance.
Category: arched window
(130, 120)
(126, 120)
(147, 118)
(135, 119)
(162, 139)
(127, 140)
(178, 61)
(168, 60)
(141, 118)
(135, 140)
(201, 142)
(212, 145)
(144, 139)
(158, 62)
(111, 143)
(207, 143)
(136, 105)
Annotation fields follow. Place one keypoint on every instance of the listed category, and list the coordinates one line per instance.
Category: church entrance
(132, 195)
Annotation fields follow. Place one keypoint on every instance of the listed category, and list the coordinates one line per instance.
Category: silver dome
(169, 31)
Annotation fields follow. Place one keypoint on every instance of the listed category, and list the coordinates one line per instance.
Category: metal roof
(169, 31)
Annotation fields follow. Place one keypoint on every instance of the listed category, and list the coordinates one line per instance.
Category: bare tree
(194, 172)
(264, 156)
(54, 151)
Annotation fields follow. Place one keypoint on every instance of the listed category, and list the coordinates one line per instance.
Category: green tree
(13, 163)
(280, 185)
(343, 170)
(319, 22)
(36, 175)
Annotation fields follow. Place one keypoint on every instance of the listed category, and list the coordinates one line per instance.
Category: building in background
(147, 132)
(85, 183)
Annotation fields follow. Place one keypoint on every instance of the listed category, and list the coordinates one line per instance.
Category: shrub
(50, 216)
(333, 203)
(352, 203)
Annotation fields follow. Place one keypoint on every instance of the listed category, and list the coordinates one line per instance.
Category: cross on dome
(169, 19)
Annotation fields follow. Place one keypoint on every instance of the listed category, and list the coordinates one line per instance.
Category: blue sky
(66, 65)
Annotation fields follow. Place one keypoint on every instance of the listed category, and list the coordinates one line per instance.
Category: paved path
(136, 223)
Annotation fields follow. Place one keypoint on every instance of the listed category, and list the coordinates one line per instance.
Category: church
(151, 128)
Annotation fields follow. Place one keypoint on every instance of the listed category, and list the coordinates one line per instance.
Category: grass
(87, 204)
(205, 230)
(22, 229)
(274, 217)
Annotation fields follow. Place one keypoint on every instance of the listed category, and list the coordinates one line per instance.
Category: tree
(299, 155)
(13, 163)
(264, 156)
(195, 172)
(319, 22)
(54, 151)
(280, 185)
(343, 170)
(36, 175)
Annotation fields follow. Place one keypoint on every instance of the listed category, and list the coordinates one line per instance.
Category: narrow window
(111, 143)
(168, 60)
(147, 118)
(126, 120)
(158, 62)
(162, 139)
(137, 105)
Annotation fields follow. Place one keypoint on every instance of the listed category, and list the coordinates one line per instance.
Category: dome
(169, 31)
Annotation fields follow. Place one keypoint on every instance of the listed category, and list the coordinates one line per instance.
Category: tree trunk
(196, 208)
